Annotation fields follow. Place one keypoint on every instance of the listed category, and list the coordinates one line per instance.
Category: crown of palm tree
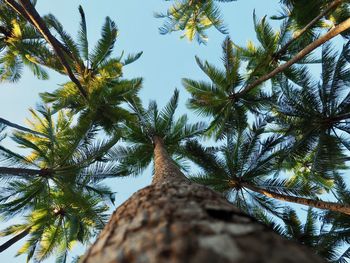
(221, 99)
(314, 117)
(193, 17)
(246, 159)
(300, 13)
(56, 185)
(99, 74)
(151, 123)
(20, 44)
(55, 224)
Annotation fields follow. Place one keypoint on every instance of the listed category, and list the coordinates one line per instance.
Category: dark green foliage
(221, 99)
(290, 139)
(314, 116)
(65, 182)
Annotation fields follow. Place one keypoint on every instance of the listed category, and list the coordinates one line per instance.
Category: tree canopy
(270, 133)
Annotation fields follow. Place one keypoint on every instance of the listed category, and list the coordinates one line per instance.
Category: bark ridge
(177, 221)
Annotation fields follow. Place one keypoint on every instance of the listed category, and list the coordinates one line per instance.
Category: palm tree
(245, 169)
(20, 44)
(314, 117)
(152, 127)
(99, 74)
(96, 89)
(56, 224)
(193, 17)
(62, 172)
(174, 218)
(221, 99)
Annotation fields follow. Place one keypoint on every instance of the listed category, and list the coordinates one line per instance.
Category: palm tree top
(149, 124)
(193, 17)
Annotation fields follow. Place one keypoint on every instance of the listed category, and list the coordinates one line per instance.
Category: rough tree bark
(177, 221)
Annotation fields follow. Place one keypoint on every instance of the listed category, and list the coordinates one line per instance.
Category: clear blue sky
(165, 61)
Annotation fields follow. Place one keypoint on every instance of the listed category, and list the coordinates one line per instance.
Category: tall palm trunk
(164, 167)
(175, 220)
(336, 207)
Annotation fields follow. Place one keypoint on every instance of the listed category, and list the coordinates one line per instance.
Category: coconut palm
(151, 127)
(221, 99)
(201, 214)
(193, 17)
(20, 44)
(246, 168)
(314, 117)
(55, 224)
(300, 14)
(99, 74)
(63, 164)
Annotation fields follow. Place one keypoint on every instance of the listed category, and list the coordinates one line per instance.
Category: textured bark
(176, 221)
(165, 169)
(336, 207)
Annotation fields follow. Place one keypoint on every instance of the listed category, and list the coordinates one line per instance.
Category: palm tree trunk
(178, 221)
(13, 240)
(164, 167)
(18, 171)
(336, 207)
